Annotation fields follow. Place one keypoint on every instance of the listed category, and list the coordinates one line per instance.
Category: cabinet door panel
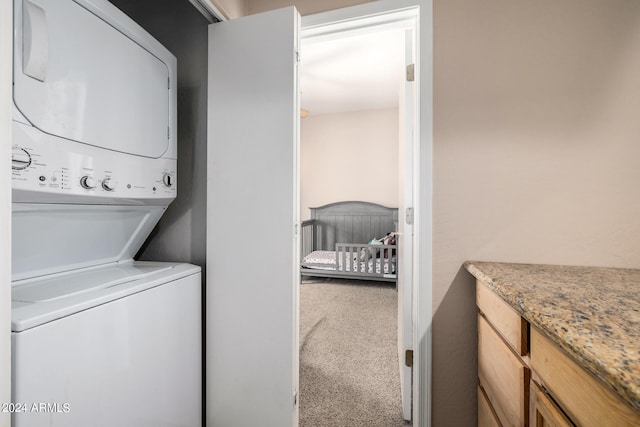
(487, 416)
(585, 399)
(503, 376)
(544, 412)
(512, 327)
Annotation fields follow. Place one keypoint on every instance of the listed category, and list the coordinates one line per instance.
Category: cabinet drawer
(512, 327)
(544, 412)
(487, 416)
(587, 401)
(503, 376)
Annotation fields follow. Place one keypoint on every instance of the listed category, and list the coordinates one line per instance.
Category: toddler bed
(352, 240)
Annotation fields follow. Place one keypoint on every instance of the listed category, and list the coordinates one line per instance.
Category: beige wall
(536, 148)
(349, 156)
(236, 8)
(231, 9)
(305, 7)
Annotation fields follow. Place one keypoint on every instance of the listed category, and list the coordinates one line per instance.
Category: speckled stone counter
(592, 313)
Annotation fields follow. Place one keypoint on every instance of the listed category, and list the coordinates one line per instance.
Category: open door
(405, 228)
(252, 219)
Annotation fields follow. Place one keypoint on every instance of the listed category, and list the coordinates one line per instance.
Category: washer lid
(46, 299)
(86, 280)
(81, 76)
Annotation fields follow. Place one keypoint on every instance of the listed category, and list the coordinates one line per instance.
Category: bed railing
(353, 260)
(307, 237)
(366, 259)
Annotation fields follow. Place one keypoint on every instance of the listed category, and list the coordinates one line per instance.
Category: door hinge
(408, 358)
(297, 56)
(295, 399)
(408, 217)
(168, 132)
(411, 72)
(168, 82)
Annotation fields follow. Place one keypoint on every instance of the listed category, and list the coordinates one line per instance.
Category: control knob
(87, 182)
(20, 158)
(109, 184)
(167, 180)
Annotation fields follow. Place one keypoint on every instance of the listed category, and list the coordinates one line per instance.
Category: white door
(405, 228)
(252, 217)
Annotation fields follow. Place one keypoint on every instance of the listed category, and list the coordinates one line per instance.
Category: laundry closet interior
(128, 203)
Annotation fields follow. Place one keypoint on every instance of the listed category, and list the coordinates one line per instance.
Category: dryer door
(79, 74)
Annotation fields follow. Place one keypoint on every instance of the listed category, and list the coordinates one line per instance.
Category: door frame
(423, 171)
(379, 14)
(6, 106)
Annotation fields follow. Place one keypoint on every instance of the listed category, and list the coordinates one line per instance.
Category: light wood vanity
(555, 348)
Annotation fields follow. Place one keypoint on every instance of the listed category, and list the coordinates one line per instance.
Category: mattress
(326, 260)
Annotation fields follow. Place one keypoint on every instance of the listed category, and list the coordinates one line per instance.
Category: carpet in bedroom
(348, 354)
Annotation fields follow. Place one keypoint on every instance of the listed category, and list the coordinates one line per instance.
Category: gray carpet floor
(348, 354)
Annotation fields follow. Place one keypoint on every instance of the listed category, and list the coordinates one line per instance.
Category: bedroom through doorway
(356, 130)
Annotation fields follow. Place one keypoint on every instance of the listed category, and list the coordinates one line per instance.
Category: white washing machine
(98, 338)
(115, 345)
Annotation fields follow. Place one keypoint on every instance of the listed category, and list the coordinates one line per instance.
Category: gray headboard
(351, 222)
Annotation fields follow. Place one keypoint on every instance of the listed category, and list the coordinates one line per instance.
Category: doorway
(362, 69)
(252, 208)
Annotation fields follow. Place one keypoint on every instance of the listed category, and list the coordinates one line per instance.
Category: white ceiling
(352, 73)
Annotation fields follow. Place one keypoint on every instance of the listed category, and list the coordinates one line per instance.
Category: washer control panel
(87, 182)
(20, 158)
(53, 166)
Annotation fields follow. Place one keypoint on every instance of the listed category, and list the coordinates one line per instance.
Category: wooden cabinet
(587, 401)
(503, 372)
(506, 321)
(544, 412)
(527, 380)
(487, 416)
(503, 376)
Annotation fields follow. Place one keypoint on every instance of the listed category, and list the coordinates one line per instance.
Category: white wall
(536, 150)
(349, 156)
(6, 30)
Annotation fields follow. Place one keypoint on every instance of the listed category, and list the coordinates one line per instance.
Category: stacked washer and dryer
(98, 338)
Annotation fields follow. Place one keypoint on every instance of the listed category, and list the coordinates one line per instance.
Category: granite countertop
(593, 313)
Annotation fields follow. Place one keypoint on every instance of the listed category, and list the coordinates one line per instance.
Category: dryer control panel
(47, 168)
